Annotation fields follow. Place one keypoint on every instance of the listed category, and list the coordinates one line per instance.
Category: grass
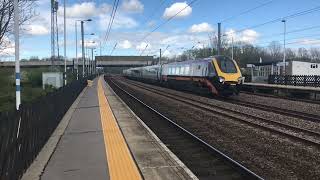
(31, 86)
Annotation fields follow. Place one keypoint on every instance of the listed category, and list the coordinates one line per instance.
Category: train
(217, 75)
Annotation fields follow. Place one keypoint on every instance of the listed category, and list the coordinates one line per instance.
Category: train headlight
(221, 79)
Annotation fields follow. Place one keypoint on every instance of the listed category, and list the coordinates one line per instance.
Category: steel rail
(204, 104)
(287, 112)
(215, 150)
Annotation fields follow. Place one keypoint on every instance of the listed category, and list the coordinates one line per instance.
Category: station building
(260, 72)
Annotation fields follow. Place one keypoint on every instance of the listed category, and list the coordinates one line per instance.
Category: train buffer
(100, 138)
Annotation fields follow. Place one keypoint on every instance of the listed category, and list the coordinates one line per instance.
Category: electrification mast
(54, 31)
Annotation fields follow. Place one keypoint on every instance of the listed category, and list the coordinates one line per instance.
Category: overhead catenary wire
(293, 31)
(308, 36)
(169, 19)
(246, 11)
(114, 47)
(113, 12)
(154, 12)
(300, 13)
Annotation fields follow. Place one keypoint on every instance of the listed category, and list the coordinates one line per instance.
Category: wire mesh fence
(313, 81)
(24, 132)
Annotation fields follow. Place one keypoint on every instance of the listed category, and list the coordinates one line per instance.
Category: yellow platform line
(120, 162)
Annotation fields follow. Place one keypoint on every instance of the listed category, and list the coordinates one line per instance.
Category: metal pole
(219, 39)
(232, 47)
(65, 42)
(82, 43)
(100, 48)
(17, 64)
(91, 60)
(77, 61)
(284, 47)
(160, 57)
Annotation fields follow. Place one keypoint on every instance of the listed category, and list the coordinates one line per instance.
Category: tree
(303, 54)
(275, 50)
(6, 17)
(315, 54)
(290, 55)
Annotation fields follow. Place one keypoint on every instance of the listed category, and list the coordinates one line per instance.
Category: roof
(124, 58)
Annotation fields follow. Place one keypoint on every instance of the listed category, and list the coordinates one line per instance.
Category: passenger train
(219, 75)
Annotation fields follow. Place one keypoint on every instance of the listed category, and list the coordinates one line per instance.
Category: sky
(193, 27)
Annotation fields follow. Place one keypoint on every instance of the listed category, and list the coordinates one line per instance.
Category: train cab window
(226, 64)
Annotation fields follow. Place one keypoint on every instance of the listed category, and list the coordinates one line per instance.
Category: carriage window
(182, 70)
(187, 70)
(211, 70)
(226, 64)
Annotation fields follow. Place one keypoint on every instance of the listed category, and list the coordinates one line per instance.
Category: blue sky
(136, 18)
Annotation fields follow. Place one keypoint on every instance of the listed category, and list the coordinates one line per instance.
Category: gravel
(269, 155)
(281, 103)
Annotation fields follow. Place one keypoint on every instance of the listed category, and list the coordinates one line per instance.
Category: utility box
(54, 79)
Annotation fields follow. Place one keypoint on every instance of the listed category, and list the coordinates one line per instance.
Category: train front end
(229, 78)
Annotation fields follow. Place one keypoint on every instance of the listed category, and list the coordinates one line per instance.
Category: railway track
(286, 112)
(300, 134)
(282, 97)
(203, 159)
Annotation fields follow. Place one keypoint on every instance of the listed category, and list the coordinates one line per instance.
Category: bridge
(102, 61)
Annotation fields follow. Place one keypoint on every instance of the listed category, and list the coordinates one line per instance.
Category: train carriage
(218, 74)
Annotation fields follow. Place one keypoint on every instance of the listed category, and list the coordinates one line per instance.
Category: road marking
(120, 162)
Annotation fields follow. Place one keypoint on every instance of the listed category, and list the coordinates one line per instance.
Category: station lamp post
(76, 34)
(82, 44)
(284, 46)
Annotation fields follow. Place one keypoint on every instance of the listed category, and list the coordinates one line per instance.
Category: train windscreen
(226, 64)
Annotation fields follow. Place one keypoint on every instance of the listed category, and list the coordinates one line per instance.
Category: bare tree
(303, 54)
(315, 54)
(290, 54)
(26, 8)
(275, 50)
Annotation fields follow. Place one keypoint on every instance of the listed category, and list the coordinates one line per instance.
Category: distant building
(261, 71)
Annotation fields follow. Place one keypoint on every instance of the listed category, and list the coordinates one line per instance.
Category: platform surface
(105, 140)
(283, 86)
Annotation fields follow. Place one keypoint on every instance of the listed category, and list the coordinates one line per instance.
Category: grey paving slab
(81, 153)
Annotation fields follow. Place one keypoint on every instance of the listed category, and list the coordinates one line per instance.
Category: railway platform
(101, 138)
(312, 93)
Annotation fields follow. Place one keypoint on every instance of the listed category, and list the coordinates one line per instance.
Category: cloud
(37, 30)
(132, 6)
(247, 36)
(143, 45)
(120, 21)
(151, 23)
(85, 10)
(125, 44)
(201, 28)
(306, 42)
(176, 8)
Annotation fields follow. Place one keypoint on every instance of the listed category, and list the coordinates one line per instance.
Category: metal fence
(313, 81)
(23, 133)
